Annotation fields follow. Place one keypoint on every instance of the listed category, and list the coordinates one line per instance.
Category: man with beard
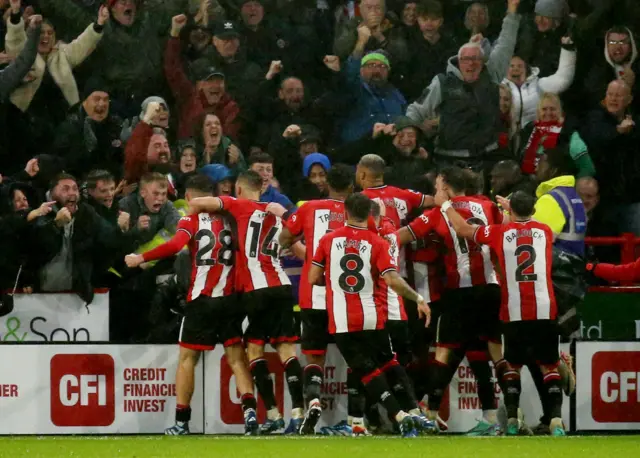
(507, 178)
(368, 96)
(466, 99)
(90, 136)
(71, 243)
(209, 93)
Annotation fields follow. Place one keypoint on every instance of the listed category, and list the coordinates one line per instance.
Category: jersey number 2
(526, 263)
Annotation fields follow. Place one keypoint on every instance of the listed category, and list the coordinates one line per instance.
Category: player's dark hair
(560, 160)
(374, 163)
(430, 8)
(340, 177)
(475, 182)
(96, 176)
(252, 179)
(455, 178)
(199, 183)
(522, 203)
(358, 206)
(375, 209)
(61, 176)
(260, 158)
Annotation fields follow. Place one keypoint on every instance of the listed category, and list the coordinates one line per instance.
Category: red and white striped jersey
(388, 297)
(398, 203)
(258, 263)
(313, 220)
(212, 255)
(427, 267)
(353, 260)
(524, 252)
(466, 263)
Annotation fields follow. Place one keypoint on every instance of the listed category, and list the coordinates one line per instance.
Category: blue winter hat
(315, 158)
(216, 172)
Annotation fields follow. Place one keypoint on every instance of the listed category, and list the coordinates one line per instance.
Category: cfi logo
(82, 390)
(230, 402)
(615, 386)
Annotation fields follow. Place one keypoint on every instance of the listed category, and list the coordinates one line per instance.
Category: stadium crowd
(109, 109)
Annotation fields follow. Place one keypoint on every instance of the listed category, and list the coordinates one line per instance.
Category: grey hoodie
(617, 68)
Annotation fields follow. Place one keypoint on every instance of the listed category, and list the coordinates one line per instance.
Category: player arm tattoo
(401, 287)
(462, 228)
(316, 274)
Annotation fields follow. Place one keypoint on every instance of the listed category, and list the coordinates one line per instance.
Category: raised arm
(12, 76)
(500, 57)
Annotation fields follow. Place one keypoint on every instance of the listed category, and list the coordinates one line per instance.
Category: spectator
(430, 49)
(292, 106)
(539, 43)
(53, 88)
(613, 137)
(466, 100)
(507, 140)
(262, 164)
(526, 84)
(620, 62)
(221, 178)
(187, 161)
(152, 216)
(407, 10)
(368, 96)
(551, 130)
(72, 243)
(11, 77)
(262, 42)
(207, 96)
(589, 192)
(90, 136)
(315, 168)
(372, 31)
(242, 76)
(140, 146)
(214, 147)
(101, 190)
(476, 21)
(130, 56)
(399, 144)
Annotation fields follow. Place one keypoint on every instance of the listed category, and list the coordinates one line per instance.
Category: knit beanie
(556, 9)
(93, 84)
(148, 100)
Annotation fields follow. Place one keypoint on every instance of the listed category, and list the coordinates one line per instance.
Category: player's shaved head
(522, 204)
(373, 163)
(358, 207)
(340, 178)
(250, 179)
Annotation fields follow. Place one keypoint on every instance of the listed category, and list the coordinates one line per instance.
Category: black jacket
(86, 145)
(93, 242)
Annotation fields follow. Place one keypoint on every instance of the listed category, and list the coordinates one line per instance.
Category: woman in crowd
(550, 130)
(214, 147)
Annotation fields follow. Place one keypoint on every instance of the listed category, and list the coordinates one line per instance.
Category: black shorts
(533, 341)
(469, 314)
(365, 351)
(270, 313)
(400, 341)
(209, 321)
(315, 331)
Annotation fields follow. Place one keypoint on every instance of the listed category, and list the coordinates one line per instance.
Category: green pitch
(280, 447)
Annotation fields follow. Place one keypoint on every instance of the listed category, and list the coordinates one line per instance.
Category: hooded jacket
(604, 71)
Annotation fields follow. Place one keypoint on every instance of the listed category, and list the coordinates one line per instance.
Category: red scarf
(503, 136)
(545, 135)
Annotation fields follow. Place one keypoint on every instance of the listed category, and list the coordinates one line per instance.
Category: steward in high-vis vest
(465, 99)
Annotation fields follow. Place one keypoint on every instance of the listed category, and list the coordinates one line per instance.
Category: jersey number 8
(351, 280)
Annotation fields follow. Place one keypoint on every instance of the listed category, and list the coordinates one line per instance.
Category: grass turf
(278, 447)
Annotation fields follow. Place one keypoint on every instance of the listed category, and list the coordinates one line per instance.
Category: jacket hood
(6, 196)
(634, 48)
